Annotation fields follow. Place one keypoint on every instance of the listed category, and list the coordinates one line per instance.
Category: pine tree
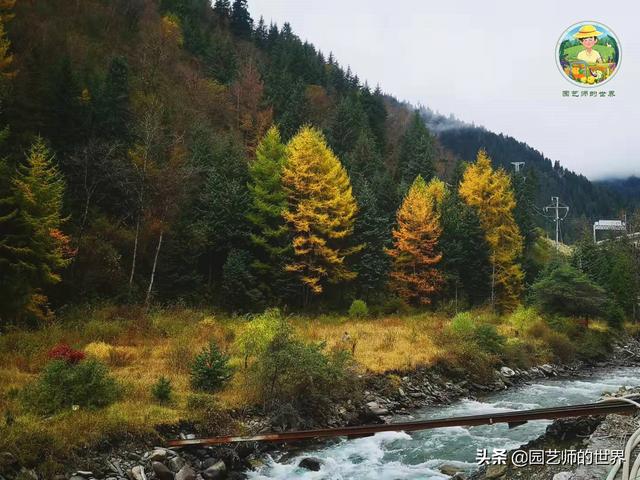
(321, 212)
(268, 202)
(417, 153)
(114, 114)
(347, 125)
(415, 253)
(222, 8)
(464, 250)
(372, 231)
(490, 193)
(34, 249)
(241, 22)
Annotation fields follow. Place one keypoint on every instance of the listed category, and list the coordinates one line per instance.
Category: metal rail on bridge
(514, 419)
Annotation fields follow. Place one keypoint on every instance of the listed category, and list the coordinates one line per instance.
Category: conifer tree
(490, 193)
(372, 231)
(417, 153)
(241, 22)
(464, 251)
(222, 8)
(34, 250)
(268, 202)
(415, 253)
(321, 212)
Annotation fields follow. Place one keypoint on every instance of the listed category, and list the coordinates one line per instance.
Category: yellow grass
(139, 349)
(381, 345)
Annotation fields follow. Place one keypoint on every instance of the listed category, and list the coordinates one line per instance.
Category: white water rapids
(402, 456)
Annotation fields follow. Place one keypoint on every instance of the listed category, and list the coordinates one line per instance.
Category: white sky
(489, 62)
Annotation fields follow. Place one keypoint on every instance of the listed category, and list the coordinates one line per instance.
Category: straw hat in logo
(587, 31)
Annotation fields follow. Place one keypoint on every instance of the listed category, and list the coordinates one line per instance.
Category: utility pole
(517, 166)
(556, 206)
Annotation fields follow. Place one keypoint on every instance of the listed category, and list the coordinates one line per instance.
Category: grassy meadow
(138, 348)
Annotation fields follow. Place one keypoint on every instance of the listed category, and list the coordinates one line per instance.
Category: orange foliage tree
(414, 275)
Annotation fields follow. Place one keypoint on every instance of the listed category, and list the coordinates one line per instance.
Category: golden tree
(414, 276)
(489, 192)
(320, 212)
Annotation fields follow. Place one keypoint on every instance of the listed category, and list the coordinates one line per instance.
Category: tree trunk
(493, 286)
(135, 253)
(153, 270)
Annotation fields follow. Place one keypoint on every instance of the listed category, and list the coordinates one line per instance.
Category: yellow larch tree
(414, 275)
(489, 192)
(320, 211)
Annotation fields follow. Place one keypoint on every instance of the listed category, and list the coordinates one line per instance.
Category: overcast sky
(489, 62)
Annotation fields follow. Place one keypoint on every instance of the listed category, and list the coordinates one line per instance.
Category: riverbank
(405, 364)
(593, 434)
(128, 461)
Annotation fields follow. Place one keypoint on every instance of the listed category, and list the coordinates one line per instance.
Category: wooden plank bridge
(513, 419)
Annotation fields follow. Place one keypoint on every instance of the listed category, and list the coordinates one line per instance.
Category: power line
(556, 206)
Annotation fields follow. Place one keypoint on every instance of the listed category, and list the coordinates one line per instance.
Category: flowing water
(397, 455)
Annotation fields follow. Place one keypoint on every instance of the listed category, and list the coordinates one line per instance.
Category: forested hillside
(587, 201)
(149, 151)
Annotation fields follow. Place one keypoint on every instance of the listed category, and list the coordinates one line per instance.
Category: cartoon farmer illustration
(588, 37)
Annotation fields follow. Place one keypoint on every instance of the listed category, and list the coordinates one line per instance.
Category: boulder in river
(310, 463)
(217, 471)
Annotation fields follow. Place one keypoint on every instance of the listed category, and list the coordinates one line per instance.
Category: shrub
(522, 318)
(519, 353)
(162, 390)
(489, 340)
(566, 290)
(358, 309)
(63, 384)
(258, 333)
(463, 325)
(64, 352)
(594, 345)
(563, 350)
(300, 379)
(210, 370)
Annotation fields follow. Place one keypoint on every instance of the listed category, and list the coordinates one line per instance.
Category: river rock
(507, 372)
(176, 464)
(217, 471)
(563, 476)
(495, 471)
(376, 409)
(310, 463)
(186, 473)
(137, 473)
(161, 471)
(548, 369)
(449, 469)
(158, 455)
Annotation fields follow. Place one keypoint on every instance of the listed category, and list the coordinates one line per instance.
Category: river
(397, 455)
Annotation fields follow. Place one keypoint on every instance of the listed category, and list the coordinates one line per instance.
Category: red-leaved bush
(62, 351)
